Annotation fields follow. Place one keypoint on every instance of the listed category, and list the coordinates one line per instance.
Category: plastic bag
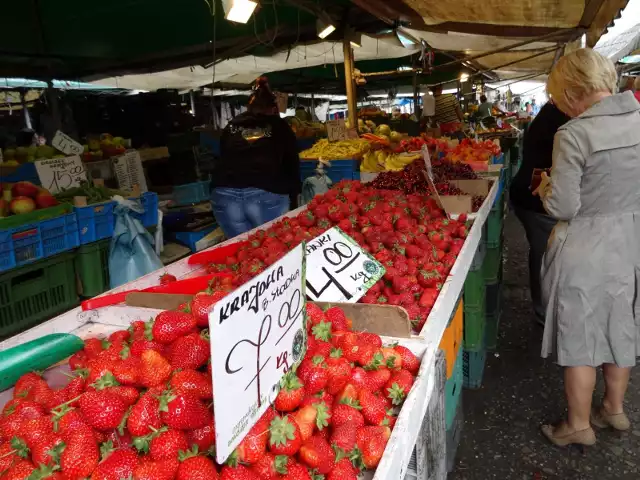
(132, 254)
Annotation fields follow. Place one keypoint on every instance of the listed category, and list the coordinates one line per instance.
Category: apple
(20, 205)
(24, 189)
(44, 199)
(6, 192)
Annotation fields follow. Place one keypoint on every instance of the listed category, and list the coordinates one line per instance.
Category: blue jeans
(238, 210)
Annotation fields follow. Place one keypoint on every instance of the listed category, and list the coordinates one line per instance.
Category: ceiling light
(238, 11)
(324, 28)
(464, 77)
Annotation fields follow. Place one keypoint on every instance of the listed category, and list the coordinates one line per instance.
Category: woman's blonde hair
(580, 74)
(636, 84)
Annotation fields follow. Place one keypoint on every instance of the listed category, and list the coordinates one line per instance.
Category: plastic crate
(473, 367)
(26, 172)
(492, 267)
(451, 342)
(474, 289)
(339, 170)
(474, 327)
(149, 217)
(453, 392)
(36, 292)
(192, 193)
(95, 222)
(491, 330)
(189, 239)
(478, 258)
(495, 222)
(453, 437)
(36, 241)
(92, 268)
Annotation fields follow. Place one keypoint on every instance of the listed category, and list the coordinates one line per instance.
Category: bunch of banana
(382, 161)
(346, 149)
(397, 161)
(370, 162)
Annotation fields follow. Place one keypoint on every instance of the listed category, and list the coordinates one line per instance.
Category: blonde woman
(591, 269)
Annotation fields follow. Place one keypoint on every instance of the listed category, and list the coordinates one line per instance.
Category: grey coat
(591, 270)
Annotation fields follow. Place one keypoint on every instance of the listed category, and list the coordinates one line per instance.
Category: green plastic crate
(474, 289)
(492, 266)
(453, 392)
(36, 292)
(491, 330)
(92, 268)
(495, 222)
(473, 367)
(474, 327)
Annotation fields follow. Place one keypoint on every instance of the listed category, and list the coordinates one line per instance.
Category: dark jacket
(258, 151)
(536, 153)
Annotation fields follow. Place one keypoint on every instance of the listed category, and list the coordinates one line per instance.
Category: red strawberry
(47, 450)
(337, 318)
(348, 394)
(371, 442)
(192, 381)
(197, 468)
(338, 370)
(170, 325)
(409, 361)
(374, 408)
(80, 456)
(11, 452)
(343, 470)
(119, 464)
(347, 413)
(271, 467)
(398, 386)
(291, 393)
(103, 410)
(167, 278)
(360, 379)
(390, 358)
(148, 469)
(254, 444)
(191, 351)
(138, 347)
(78, 360)
(93, 346)
(317, 454)
(184, 411)
(317, 377)
(204, 438)
(378, 378)
(202, 304)
(154, 369)
(285, 436)
(144, 415)
(295, 471)
(428, 297)
(167, 444)
(344, 436)
(25, 383)
(20, 470)
(239, 472)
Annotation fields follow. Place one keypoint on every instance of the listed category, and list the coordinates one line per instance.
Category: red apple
(44, 199)
(22, 204)
(24, 189)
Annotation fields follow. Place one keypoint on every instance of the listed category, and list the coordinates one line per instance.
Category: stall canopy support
(350, 83)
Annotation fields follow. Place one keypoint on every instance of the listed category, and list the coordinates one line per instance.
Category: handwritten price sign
(58, 174)
(257, 335)
(336, 130)
(338, 270)
(66, 144)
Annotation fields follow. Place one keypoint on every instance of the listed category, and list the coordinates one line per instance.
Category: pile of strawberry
(409, 234)
(139, 406)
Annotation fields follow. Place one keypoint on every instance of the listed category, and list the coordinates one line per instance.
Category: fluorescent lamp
(464, 77)
(238, 11)
(324, 28)
(355, 38)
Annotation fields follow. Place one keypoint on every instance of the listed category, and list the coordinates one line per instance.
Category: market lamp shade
(324, 28)
(238, 11)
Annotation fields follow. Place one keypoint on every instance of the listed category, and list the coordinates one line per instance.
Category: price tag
(338, 270)
(58, 174)
(336, 130)
(129, 171)
(427, 160)
(257, 335)
(66, 144)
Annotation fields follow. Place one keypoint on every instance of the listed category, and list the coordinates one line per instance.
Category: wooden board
(161, 301)
(385, 320)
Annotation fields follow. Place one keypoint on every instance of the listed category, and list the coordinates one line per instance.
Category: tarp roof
(624, 44)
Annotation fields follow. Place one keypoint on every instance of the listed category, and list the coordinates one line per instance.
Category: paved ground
(500, 438)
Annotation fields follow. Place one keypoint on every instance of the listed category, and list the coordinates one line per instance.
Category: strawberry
(291, 393)
(378, 378)
(66, 421)
(23, 409)
(138, 347)
(25, 383)
(409, 361)
(202, 304)
(118, 464)
(47, 450)
(167, 278)
(254, 444)
(94, 346)
(169, 326)
(372, 447)
(347, 413)
(80, 456)
(344, 436)
(196, 468)
(317, 454)
(19, 470)
(348, 394)
(192, 381)
(203, 438)
(148, 469)
(78, 360)
(108, 382)
(167, 444)
(285, 436)
(360, 379)
(317, 377)
(338, 371)
(367, 338)
(184, 411)
(103, 410)
(32, 431)
(127, 371)
(270, 466)
(374, 408)
(154, 369)
(343, 470)
(239, 472)
(398, 386)
(390, 358)
(315, 315)
(11, 452)
(144, 415)
(295, 471)
(191, 351)
(428, 297)
(337, 318)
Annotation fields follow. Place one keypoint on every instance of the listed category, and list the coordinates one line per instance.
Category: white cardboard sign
(338, 269)
(58, 174)
(66, 144)
(427, 160)
(336, 130)
(257, 335)
(129, 171)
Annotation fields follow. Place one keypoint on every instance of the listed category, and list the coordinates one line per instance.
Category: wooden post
(416, 96)
(350, 84)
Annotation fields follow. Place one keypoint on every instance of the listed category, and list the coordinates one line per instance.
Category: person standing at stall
(537, 149)
(591, 269)
(257, 178)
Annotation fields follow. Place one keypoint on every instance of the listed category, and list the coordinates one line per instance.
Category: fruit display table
(415, 433)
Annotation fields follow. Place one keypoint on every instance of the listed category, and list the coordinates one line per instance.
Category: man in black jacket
(536, 153)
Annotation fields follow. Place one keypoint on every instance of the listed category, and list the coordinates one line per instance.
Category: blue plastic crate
(95, 222)
(190, 238)
(35, 241)
(453, 392)
(207, 140)
(339, 170)
(191, 193)
(24, 173)
(473, 367)
(149, 201)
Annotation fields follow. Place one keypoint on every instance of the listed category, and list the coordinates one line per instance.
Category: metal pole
(193, 103)
(350, 83)
(416, 107)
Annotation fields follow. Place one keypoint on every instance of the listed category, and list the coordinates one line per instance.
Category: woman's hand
(545, 182)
